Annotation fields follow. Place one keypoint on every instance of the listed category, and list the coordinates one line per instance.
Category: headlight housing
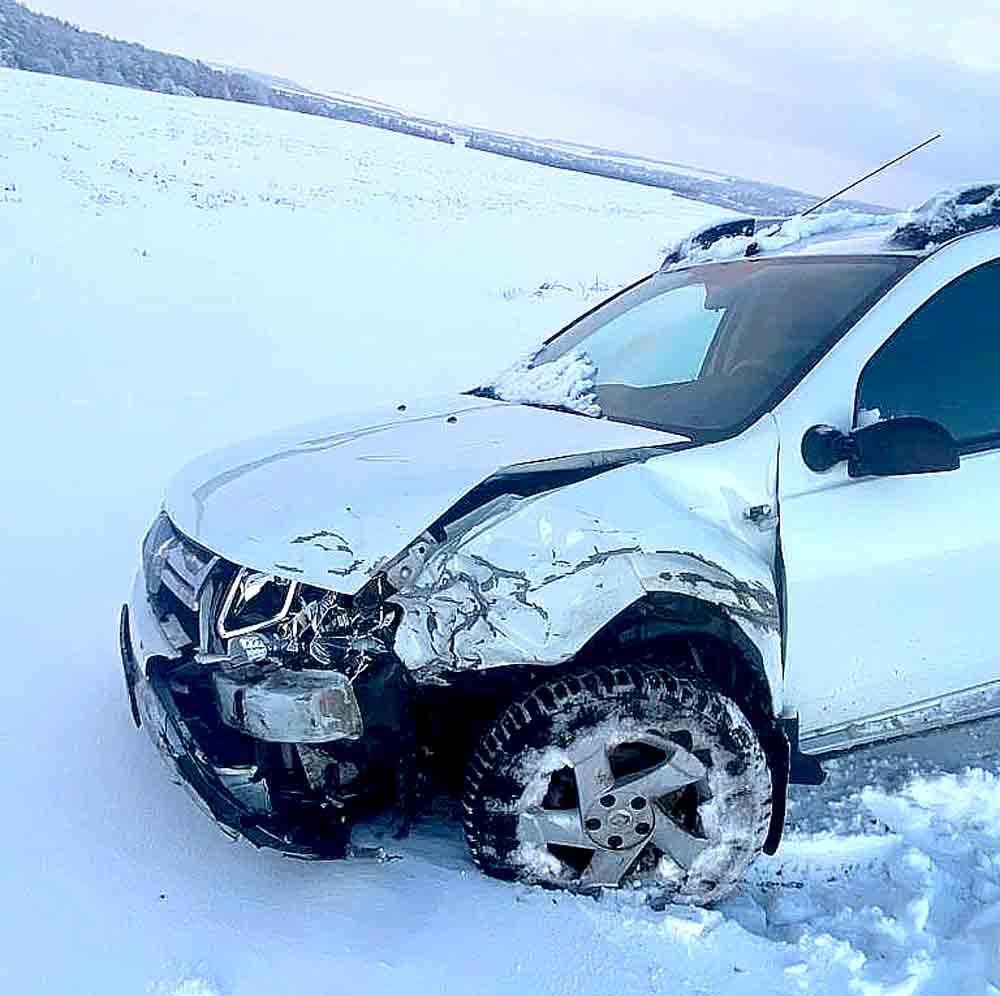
(154, 551)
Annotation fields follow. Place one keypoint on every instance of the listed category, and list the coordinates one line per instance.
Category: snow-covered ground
(178, 273)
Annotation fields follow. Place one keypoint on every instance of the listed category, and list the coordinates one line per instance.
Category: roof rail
(708, 235)
(948, 215)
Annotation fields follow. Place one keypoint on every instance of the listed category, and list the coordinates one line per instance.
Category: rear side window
(943, 363)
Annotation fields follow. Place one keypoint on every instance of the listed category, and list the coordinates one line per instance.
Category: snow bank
(905, 895)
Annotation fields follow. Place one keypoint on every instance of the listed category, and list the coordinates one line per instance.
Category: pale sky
(805, 94)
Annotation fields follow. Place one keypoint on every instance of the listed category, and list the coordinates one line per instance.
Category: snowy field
(178, 273)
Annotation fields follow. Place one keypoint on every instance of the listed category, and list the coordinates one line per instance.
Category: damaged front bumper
(155, 710)
(214, 731)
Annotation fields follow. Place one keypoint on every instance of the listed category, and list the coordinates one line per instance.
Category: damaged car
(731, 520)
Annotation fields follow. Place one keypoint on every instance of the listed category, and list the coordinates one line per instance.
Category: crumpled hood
(331, 501)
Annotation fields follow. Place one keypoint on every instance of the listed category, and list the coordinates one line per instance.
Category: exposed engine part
(287, 676)
(266, 617)
(284, 705)
(301, 667)
(343, 633)
(325, 772)
(252, 649)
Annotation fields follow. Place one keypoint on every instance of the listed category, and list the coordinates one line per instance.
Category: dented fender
(531, 580)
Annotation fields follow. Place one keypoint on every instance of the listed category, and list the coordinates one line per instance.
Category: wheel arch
(697, 637)
(718, 649)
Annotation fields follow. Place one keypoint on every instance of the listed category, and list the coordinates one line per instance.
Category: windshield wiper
(491, 393)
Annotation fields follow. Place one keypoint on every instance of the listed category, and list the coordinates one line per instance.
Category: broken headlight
(254, 601)
(269, 621)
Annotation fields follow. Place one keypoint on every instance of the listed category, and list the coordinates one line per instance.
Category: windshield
(705, 350)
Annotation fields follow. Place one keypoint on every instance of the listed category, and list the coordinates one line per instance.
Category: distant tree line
(43, 44)
(728, 192)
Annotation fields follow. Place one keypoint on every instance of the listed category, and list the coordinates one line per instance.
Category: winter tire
(620, 776)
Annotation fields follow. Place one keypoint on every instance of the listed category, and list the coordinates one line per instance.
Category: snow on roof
(949, 214)
(711, 232)
(945, 216)
(783, 234)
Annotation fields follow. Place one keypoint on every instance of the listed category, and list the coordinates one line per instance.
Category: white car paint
(889, 579)
(886, 580)
(331, 501)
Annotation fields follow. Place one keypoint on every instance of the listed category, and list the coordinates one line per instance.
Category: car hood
(330, 502)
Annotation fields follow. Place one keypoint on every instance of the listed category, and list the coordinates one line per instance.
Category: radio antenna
(868, 176)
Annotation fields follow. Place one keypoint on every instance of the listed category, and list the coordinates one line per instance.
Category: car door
(891, 582)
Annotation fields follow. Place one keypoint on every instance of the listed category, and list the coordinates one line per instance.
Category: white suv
(734, 517)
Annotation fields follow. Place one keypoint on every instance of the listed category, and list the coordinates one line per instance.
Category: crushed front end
(281, 705)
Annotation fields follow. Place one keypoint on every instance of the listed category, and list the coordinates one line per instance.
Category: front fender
(532, 580)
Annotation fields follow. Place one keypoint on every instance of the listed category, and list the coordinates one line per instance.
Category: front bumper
(147, 655)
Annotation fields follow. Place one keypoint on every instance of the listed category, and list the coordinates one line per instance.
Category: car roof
(917, 232)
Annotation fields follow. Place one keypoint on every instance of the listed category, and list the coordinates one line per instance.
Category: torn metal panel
(531, 580)
(245, 784)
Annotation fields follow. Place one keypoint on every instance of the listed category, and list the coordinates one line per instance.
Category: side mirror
(897, 446)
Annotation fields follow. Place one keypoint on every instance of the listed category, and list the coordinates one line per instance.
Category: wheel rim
(622, 810)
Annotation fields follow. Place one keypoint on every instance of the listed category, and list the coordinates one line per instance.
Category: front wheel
(617, 776)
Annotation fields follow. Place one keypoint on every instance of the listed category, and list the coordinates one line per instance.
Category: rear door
(892, 592)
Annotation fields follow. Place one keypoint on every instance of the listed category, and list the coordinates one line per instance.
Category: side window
(943, 362)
